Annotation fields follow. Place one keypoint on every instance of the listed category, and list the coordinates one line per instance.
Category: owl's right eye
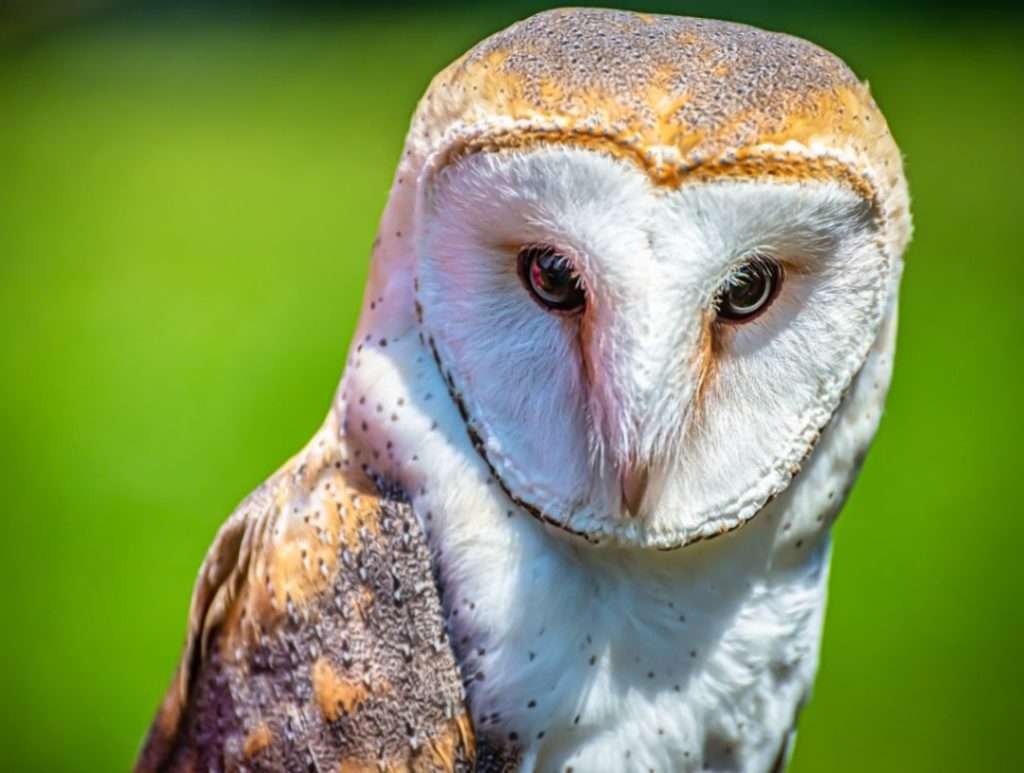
(551, 280)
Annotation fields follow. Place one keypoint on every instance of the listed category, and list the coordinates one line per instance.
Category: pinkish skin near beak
(634, 485)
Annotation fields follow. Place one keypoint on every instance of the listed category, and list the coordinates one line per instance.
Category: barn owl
(625, 341)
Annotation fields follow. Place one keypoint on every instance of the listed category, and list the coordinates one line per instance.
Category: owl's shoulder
(315, 636)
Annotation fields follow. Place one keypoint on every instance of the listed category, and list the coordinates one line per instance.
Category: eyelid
(752, 258)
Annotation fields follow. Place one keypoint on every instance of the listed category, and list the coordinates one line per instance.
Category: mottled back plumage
(316, 639)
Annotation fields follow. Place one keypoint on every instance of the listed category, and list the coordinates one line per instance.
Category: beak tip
(634, 486)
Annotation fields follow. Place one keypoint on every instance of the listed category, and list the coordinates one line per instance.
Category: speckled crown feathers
(686, 99)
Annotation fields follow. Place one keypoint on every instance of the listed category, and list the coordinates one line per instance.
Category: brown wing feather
(316, 639)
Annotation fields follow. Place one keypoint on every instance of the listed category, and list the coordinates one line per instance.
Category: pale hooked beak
(634, 485)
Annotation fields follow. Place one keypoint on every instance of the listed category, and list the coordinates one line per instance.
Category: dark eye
(749, 290)
(550, 278)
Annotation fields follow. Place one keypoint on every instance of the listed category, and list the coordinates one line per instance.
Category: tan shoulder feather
(316, 639)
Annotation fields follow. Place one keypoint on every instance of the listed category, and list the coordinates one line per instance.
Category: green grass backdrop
(187, 202)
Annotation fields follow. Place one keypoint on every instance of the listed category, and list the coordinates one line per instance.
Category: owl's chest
(623, 663)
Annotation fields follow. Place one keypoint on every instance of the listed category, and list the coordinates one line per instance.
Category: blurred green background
(187, 201)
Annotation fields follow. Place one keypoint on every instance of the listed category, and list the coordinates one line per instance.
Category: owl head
(646, 256)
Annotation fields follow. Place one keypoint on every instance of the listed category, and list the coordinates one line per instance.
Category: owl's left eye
(551, 280)
(749, 290)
